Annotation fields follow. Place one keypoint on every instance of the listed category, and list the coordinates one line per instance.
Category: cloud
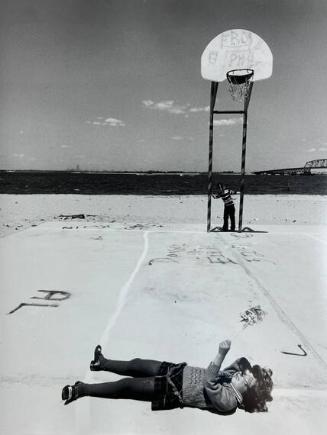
(19, 156)
(179, 138)
(167, 106)
(173, 108)
(111, 122)
(311, 150)
(64, 146)
(322, 149)
(199, 109)
(148, 103)
(227, 122)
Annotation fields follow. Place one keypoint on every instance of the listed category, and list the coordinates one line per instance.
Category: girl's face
(243, 381)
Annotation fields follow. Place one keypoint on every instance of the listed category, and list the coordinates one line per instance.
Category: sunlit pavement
(172, 293)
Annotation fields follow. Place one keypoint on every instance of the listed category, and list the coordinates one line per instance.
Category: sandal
(95, 363)
(70, 393)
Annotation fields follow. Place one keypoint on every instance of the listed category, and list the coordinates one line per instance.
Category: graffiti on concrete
(304, 353)
(206, 254)
(48, 295)
(161, 260)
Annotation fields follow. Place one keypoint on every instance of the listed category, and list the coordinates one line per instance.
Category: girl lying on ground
(168, 385)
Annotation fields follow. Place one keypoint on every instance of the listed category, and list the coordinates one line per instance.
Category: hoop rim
(236, 77)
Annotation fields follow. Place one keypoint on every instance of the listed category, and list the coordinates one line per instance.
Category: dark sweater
(211, 388)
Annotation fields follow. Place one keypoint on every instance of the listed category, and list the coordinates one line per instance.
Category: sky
(116, 85)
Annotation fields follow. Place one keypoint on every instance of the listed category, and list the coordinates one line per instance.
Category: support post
(242, 185)
(213, 95)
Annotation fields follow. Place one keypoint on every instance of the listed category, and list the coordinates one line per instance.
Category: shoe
(70, 393)
(95, 363)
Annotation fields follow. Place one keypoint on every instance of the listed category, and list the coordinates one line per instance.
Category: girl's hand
(224, 346)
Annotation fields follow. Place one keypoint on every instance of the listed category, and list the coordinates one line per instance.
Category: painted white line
(83, 408)
(124, 292)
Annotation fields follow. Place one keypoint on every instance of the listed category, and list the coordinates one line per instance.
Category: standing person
(229, 208)
(167, 385)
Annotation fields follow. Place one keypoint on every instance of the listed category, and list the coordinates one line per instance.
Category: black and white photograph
(163, 217)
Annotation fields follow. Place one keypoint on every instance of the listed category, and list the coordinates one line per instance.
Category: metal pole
(213, 94)
(245, 120)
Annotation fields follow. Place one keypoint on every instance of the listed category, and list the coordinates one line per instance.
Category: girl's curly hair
(256, 398)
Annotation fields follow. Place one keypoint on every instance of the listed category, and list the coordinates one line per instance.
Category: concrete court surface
(168, 293)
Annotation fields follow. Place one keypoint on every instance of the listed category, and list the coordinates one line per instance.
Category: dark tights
(140, 386)
(127, 388)
(137, 367)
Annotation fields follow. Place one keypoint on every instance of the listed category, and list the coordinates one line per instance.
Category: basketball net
(239, 83)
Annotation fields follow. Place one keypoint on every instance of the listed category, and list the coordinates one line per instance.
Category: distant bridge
(306, 170)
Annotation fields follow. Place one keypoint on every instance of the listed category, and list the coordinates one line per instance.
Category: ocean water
(101, 183)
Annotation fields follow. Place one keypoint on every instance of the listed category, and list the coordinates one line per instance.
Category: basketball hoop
(239, 83)
(232, 55)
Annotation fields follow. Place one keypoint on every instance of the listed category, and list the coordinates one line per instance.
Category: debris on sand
(72, 216)
(252, 315)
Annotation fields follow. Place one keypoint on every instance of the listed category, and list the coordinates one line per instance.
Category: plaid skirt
(169, 387)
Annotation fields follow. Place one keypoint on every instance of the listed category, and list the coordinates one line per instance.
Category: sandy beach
(18, 212)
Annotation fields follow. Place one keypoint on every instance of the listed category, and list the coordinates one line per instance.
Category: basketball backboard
(236, 49)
